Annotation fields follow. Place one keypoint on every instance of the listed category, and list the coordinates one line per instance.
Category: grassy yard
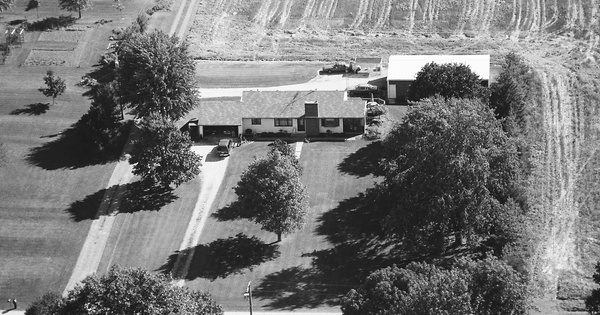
(233, 74)
(46, 177)
(297, 273)
(43, 176)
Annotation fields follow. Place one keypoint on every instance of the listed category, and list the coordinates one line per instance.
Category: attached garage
(403, 69)
(222, 119)
(225, 131)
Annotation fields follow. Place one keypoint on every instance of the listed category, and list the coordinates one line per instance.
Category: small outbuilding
(403, 69)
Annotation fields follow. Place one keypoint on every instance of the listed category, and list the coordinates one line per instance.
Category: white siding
(338, 129)
(268, 125)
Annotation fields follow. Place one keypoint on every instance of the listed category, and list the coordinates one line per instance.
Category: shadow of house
(32, 109)
(129, 198)
(224, 257)
(364, 162)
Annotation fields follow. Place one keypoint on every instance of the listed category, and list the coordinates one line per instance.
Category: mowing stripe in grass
(95, 242)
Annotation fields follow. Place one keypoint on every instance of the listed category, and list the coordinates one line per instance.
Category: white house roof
(406, 67)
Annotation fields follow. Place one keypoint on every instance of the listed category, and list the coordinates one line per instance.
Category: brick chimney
(311, 109)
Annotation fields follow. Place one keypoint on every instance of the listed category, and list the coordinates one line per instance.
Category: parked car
(363, 90)
(224, 147)
(341, 68)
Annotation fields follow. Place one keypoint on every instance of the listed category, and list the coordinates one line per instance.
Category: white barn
(403, 69)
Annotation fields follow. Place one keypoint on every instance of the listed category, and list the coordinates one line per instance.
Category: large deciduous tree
(446, 80)
(163, 155)
(127, 291)
(55, 85)
(75, 5)
(450, 175)
(102, 127)
(156, 75)
(487, 287)
(271, 194)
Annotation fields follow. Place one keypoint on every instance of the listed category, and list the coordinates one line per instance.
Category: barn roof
(406, 67)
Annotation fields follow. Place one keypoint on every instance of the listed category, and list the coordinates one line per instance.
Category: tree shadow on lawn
(359, 248)
(364, 162)
(129, 198)
(32, 109)
(231, 212)
(70, 151)
(224, 257)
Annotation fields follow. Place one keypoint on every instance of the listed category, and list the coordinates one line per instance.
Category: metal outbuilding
(403, 69)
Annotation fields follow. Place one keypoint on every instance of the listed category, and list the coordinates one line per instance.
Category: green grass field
(233, 74)
(43, 176)
(283, 274)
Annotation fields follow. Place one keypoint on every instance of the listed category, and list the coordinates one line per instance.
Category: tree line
(452, 189)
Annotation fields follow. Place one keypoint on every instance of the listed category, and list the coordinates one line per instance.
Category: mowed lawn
(240, 74)
(42, 179)
(282, 275)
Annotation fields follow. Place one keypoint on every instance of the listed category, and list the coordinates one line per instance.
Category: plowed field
(334, 29)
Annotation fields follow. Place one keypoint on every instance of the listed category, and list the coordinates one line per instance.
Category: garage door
(230, 131)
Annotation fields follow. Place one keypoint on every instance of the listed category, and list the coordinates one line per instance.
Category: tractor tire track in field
(332, 4)
(285, 12)
(360, 14)
(560, 167)
(384, 15)
(310, 4)
(262, 17)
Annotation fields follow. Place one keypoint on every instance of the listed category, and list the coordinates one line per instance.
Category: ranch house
(403, 69)
(293, 113)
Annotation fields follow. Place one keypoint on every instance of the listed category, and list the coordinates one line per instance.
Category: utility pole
(248, 295)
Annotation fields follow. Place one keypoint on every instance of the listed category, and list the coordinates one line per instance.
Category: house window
(283, 122)
(256, 121)
(330, 122)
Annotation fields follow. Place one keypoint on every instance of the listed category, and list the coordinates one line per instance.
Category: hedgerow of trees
(450, 173)
(126, 291)
(486, 287)
(156, 76)
(271, 194)
(449, 80)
